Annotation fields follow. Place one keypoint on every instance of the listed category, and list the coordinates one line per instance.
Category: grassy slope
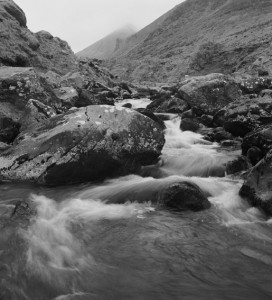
(237, 32)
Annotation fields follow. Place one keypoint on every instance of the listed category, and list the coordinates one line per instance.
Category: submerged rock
(83, 145)
(167, 192)
(257, 186)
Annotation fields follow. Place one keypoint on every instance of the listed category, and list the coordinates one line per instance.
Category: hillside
(199, 37)
(104, 48)
(22, 48)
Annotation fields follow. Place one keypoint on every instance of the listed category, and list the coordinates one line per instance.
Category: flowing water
(79, 246)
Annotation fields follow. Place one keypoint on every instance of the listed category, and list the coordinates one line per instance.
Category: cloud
(83, 22)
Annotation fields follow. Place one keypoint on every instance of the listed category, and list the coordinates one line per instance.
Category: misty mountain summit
(104, 48)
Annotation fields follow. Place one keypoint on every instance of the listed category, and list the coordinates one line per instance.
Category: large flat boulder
(257, 186)
(209, 93)
(82, 145)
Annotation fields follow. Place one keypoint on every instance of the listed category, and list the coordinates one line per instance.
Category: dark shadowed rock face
(83, 145)
(21, 48)
(209, 93)
(261, 138)
(257, 186)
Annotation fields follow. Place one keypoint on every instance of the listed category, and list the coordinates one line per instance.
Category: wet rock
(171, 105)
(257, 186)
(209, 93)
(168, 192)
(261, 138)
(127, 105)
(206, 120)
(240, 126)
(189, 124)
(218, 135)
(254, 155)
(238, 165)
(184, 196)
(152, 116)
(83, 145)
(9, 129)
(126, 95)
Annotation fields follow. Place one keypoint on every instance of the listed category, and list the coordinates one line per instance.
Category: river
(79, 247)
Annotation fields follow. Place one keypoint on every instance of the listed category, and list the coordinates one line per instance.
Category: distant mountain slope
(104, 48)
(199, 37)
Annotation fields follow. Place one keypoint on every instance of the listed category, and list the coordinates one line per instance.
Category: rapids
(80, 245)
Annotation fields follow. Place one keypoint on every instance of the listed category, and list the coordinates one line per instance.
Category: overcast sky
(83, 22)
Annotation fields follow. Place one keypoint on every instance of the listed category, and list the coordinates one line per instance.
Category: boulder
(9, 128)
(261, 138)
(82, 145)
(257, 186)
(67, 96)
(88, 97)
(189, 124)
(238, 165)
(209, 93)
(170, 105)
(75, 80)
(11, 10)
(218, 135)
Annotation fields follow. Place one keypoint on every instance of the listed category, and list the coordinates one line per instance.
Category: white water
(82, 246)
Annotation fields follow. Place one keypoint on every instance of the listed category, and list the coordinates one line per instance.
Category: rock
(266, 92)
(127, 105)
(261, 138)
(170, 105)
(254, 155)
(218, 135)
(166, 192)
(75, 80)
(263, 72)
(238, 165)
(11, 10)
(9, 129)
(82, 145)
(185, 196)
(126, 95)
(245, 115)
(209, 93)
(231, 143)
(20, 47)
(68, 97)
(257, 186)
(152, 116)
(240, 126)
(87, 97)
(206, 120)
(35, 112)
(254, 85)
(3, 146)
(189, 124)
(52, 79)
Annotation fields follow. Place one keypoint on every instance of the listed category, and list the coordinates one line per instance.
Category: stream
(79, 247)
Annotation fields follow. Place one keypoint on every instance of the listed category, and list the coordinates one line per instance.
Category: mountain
(104, 48)
(199, 37)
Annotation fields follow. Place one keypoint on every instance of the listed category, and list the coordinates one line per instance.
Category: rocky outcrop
(83, 145)
(209, 93)
(22, 48)
(257, 186)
